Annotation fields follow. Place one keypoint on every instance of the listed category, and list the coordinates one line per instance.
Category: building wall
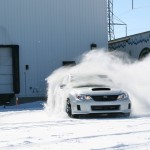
(135, 45)
(49, 32)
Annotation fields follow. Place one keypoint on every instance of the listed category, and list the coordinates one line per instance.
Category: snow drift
(130, 75)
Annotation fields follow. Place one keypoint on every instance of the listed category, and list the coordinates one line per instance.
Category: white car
(95, 94)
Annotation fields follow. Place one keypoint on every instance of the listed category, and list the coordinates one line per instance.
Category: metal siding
(49, 32)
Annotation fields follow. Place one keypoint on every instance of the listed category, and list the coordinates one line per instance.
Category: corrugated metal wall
(49, 32)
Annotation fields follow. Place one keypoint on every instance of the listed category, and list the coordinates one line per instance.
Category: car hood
(97, 90)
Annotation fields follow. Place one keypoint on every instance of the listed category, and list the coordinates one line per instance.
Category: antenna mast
(111, 35)
(110, 20)
(132, 5)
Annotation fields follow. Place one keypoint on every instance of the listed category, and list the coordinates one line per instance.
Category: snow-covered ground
(33, 127)
(28, 126)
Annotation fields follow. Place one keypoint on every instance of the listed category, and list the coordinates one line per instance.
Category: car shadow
(102, 116)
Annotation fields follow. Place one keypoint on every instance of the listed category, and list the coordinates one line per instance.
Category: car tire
(69, 110)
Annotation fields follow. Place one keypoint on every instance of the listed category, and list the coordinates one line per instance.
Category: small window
(93, 46)
(68, 63)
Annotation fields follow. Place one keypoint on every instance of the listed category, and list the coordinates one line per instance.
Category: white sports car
(95, 94)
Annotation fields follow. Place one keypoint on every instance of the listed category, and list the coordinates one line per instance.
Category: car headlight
(122, 96)
(83, 97)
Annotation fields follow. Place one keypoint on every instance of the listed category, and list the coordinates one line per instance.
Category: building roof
(126, 38)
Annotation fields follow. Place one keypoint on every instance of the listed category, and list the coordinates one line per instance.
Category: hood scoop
(101, 89)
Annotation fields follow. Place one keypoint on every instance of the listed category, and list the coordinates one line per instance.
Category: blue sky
(137, 19)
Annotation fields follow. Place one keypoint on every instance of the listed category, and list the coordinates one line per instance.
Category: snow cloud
(130, 75)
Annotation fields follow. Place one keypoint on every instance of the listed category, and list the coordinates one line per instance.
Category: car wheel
(68, 108)
(69, 111)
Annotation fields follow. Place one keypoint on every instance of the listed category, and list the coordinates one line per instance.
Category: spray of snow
(131, 76)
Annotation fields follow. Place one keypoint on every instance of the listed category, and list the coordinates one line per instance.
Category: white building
(38, 36)
(137, 46)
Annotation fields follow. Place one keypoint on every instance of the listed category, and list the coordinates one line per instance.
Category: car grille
(105, 98)
(104, 108)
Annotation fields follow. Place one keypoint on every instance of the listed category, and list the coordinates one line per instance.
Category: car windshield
(90, 81)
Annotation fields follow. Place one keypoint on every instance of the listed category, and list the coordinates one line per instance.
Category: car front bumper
(93, 107)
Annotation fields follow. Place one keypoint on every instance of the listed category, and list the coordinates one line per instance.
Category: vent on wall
(93, 46)
(68, 63)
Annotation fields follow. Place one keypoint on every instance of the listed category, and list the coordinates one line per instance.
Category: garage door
(6, 75)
